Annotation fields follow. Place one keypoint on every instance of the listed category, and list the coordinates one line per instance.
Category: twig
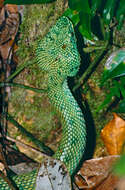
(25, 145)
(93, 65)
(23, 86)
(18, 70)
(39, 144)
(75, 187)
(2, 156)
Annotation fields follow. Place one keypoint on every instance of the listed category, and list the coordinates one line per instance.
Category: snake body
(57, 54)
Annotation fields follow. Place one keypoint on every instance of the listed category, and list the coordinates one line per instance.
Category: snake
(58, 56)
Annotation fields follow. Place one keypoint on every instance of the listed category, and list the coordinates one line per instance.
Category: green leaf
(105, 102)
(75, 4)
(122, 86)
(118, 71)
(120, 21)
(119, 167)
(120, 14)
(80, 5)
(115, 59)
(114, 66)
(73, 15)
(86, 6)
(121, 9)
(85, 20)
(95, 5)
(108, 11)
(85, 25)
(24, 2)
(115, 90)
(121, 107)
(122, 89)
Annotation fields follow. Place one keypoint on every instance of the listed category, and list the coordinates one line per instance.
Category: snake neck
(57, 54)
(72, 145)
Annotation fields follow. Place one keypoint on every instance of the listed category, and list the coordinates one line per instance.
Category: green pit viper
(57, 54)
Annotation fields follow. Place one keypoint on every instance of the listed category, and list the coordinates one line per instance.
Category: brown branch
(2, 157)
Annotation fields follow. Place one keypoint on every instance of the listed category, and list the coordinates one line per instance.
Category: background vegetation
(99, 28)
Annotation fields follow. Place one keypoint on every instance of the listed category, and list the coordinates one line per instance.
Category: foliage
(119, 167)
(20, 2)
(91, 19)
(121, 108)
(94, 17)
(89, 13)
(91, 10)
(114, 66)
(115, 70)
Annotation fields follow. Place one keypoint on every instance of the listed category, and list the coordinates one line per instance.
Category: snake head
(57, 51)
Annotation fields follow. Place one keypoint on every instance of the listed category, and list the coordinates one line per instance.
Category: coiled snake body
(57, 54)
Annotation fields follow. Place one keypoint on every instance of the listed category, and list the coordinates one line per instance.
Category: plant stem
(2, 84)
(26, 146)
(37, 142)
(92, 67)
(18, 70)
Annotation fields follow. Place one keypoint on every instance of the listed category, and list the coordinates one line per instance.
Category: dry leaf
(121, 184)
(113, 135)
(2, 15)
(1, 3)
(9, 22)
(5, 50)
(12, 8)
(95, 174)
(53, 175)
